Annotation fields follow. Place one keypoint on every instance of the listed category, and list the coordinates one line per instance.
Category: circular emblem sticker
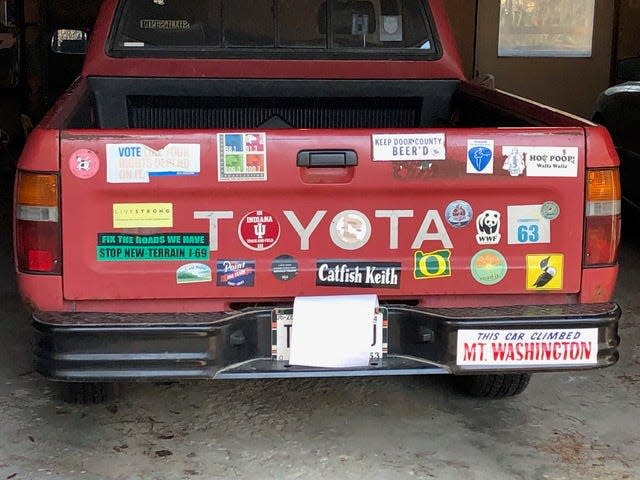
(84, 163)
(284, 267)
(459, 213)
(350, 229)
(488, 267)
(550, 210)
(259, 230)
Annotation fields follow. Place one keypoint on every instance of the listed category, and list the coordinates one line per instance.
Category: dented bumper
(122, 347)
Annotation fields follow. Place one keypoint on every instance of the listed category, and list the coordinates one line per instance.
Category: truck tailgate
(245, 216)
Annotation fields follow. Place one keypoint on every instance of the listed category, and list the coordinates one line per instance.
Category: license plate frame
(282, 322)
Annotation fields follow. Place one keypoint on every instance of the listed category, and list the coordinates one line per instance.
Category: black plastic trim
(116, 347)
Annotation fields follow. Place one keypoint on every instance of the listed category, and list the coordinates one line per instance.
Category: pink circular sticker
(258, 230)
(84, 163)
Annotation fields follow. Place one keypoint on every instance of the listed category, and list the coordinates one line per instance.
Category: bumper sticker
(488, 267)
(480, 156)
(435, 264)
(235, 273)
(259, 230)
(541, 161)
(345, 273)
(242, 157)
(142, 215)
(459, 214)
(284, 267)
(488, 228)
(84, 163)
(418, 146)
(193, 273)
(527, 225)
(521, 348)
(545, 272)
(119, 247)
(136, 162)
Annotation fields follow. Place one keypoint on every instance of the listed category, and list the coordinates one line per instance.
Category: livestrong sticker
(119, 247)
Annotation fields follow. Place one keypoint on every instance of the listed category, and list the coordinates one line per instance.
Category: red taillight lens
(37, 226)
(602, 226)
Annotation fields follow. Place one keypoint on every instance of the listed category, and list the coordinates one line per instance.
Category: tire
(494, 385)
(81, 393)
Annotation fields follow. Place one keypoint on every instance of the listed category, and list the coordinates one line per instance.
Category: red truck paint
(388, 226)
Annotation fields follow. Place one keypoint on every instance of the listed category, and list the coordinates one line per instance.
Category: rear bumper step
(91, 347)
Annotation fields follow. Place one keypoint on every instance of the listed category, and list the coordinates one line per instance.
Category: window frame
(329, 52)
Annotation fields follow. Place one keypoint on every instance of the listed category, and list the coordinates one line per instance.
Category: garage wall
(628, 28)
(48, 74)
(462, 15)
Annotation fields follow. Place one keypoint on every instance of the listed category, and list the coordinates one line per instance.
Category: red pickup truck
(274, 188)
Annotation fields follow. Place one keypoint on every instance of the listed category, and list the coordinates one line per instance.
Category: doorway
(566, 72)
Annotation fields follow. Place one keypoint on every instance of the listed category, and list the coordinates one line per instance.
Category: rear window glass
(212, 27)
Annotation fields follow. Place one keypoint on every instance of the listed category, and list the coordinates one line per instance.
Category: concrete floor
(565, 426)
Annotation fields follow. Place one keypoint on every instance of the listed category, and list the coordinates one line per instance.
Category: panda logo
(488, 227)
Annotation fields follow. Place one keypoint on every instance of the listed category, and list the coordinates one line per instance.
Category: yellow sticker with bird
(545, 271)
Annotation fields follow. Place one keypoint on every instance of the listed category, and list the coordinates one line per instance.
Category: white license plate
(282, 321)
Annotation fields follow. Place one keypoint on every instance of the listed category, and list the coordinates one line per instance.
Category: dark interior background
(43, 75)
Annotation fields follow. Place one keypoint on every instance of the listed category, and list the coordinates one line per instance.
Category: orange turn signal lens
(37, 189)
(603, 185)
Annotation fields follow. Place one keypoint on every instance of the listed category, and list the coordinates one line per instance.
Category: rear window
(180, 28)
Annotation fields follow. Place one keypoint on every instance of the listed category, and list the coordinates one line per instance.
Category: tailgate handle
(327, 158)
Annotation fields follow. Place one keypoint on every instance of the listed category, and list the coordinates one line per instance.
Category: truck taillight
(37, 224)
(602, 209)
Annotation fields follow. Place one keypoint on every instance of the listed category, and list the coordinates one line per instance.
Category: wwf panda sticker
(488, 228)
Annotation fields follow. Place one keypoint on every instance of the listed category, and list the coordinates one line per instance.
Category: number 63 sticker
(526, 225)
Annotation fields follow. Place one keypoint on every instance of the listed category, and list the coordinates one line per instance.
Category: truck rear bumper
(92, 347)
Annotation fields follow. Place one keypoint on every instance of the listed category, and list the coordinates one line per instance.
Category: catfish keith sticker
(242, 157)
(84, 163)
(259, 230)
(418, 146)
(347, 273)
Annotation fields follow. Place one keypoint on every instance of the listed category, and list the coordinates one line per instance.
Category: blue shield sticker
(480, 158)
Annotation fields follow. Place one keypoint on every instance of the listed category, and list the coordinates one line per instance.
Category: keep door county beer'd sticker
(407, 147)
(259, 230)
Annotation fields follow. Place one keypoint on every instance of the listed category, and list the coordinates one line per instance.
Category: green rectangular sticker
(120, 247)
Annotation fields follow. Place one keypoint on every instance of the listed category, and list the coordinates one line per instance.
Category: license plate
(282, 323)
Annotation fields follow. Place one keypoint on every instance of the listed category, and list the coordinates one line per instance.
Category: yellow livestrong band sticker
(545, 271)
(142, 215)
